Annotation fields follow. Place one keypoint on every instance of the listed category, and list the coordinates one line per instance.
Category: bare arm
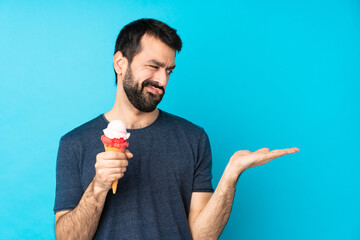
(211, 220)
(83, 220)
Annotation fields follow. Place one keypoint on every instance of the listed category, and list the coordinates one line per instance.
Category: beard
(142, 100)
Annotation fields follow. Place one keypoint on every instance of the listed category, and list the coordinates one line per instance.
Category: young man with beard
(164, 189)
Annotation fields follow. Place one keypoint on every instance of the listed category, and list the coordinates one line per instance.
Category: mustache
(148, 82)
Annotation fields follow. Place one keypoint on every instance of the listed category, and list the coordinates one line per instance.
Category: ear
(120, 64)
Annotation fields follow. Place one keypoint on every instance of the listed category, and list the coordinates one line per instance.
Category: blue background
(253, 73)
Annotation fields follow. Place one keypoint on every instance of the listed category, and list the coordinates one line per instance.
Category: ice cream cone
(115, 183)
(114, 139)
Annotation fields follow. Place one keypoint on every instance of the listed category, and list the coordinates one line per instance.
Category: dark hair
(128, 40)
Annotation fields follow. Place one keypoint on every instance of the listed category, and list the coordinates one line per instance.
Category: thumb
(263, 150)
(128, 154)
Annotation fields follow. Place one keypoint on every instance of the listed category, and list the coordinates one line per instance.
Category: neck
(133, 118)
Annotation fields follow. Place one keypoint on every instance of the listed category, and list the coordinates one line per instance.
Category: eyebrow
(155, 62)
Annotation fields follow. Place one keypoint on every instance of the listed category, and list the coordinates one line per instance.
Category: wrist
(227, 183)
(233, 171)
(98, 191)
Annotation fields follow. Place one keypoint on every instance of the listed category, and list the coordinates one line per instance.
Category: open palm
(245, 159)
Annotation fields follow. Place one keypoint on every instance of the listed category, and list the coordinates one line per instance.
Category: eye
(153, 66)
(169, 72)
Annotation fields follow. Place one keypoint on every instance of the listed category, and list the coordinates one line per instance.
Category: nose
(161, 77)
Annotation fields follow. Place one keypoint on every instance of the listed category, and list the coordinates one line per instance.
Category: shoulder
(188, 127)
(86, 130)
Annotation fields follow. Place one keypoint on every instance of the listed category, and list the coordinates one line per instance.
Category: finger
(118, 175)
(242, 152)
(112, 155)
(295, 149)
(112, 171)
(290, 150)
(115, 176)
(112, 163)
(280, 152)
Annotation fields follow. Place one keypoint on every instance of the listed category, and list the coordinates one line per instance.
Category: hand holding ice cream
(114, 139)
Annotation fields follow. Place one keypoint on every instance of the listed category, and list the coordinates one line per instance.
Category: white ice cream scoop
(116, 129)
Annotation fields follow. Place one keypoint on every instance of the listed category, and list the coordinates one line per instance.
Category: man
(164, 189)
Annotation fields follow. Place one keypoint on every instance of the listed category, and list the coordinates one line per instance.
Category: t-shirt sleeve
(68, 185)
(203, 176)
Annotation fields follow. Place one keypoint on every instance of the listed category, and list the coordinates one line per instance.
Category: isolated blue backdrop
(253, 73)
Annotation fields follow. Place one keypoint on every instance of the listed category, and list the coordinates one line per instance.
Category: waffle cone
(107, 148)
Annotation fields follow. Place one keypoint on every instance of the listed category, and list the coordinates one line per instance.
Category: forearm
(212, 219)
(82, 221)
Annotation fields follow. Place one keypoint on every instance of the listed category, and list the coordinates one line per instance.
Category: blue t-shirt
(172, 159)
